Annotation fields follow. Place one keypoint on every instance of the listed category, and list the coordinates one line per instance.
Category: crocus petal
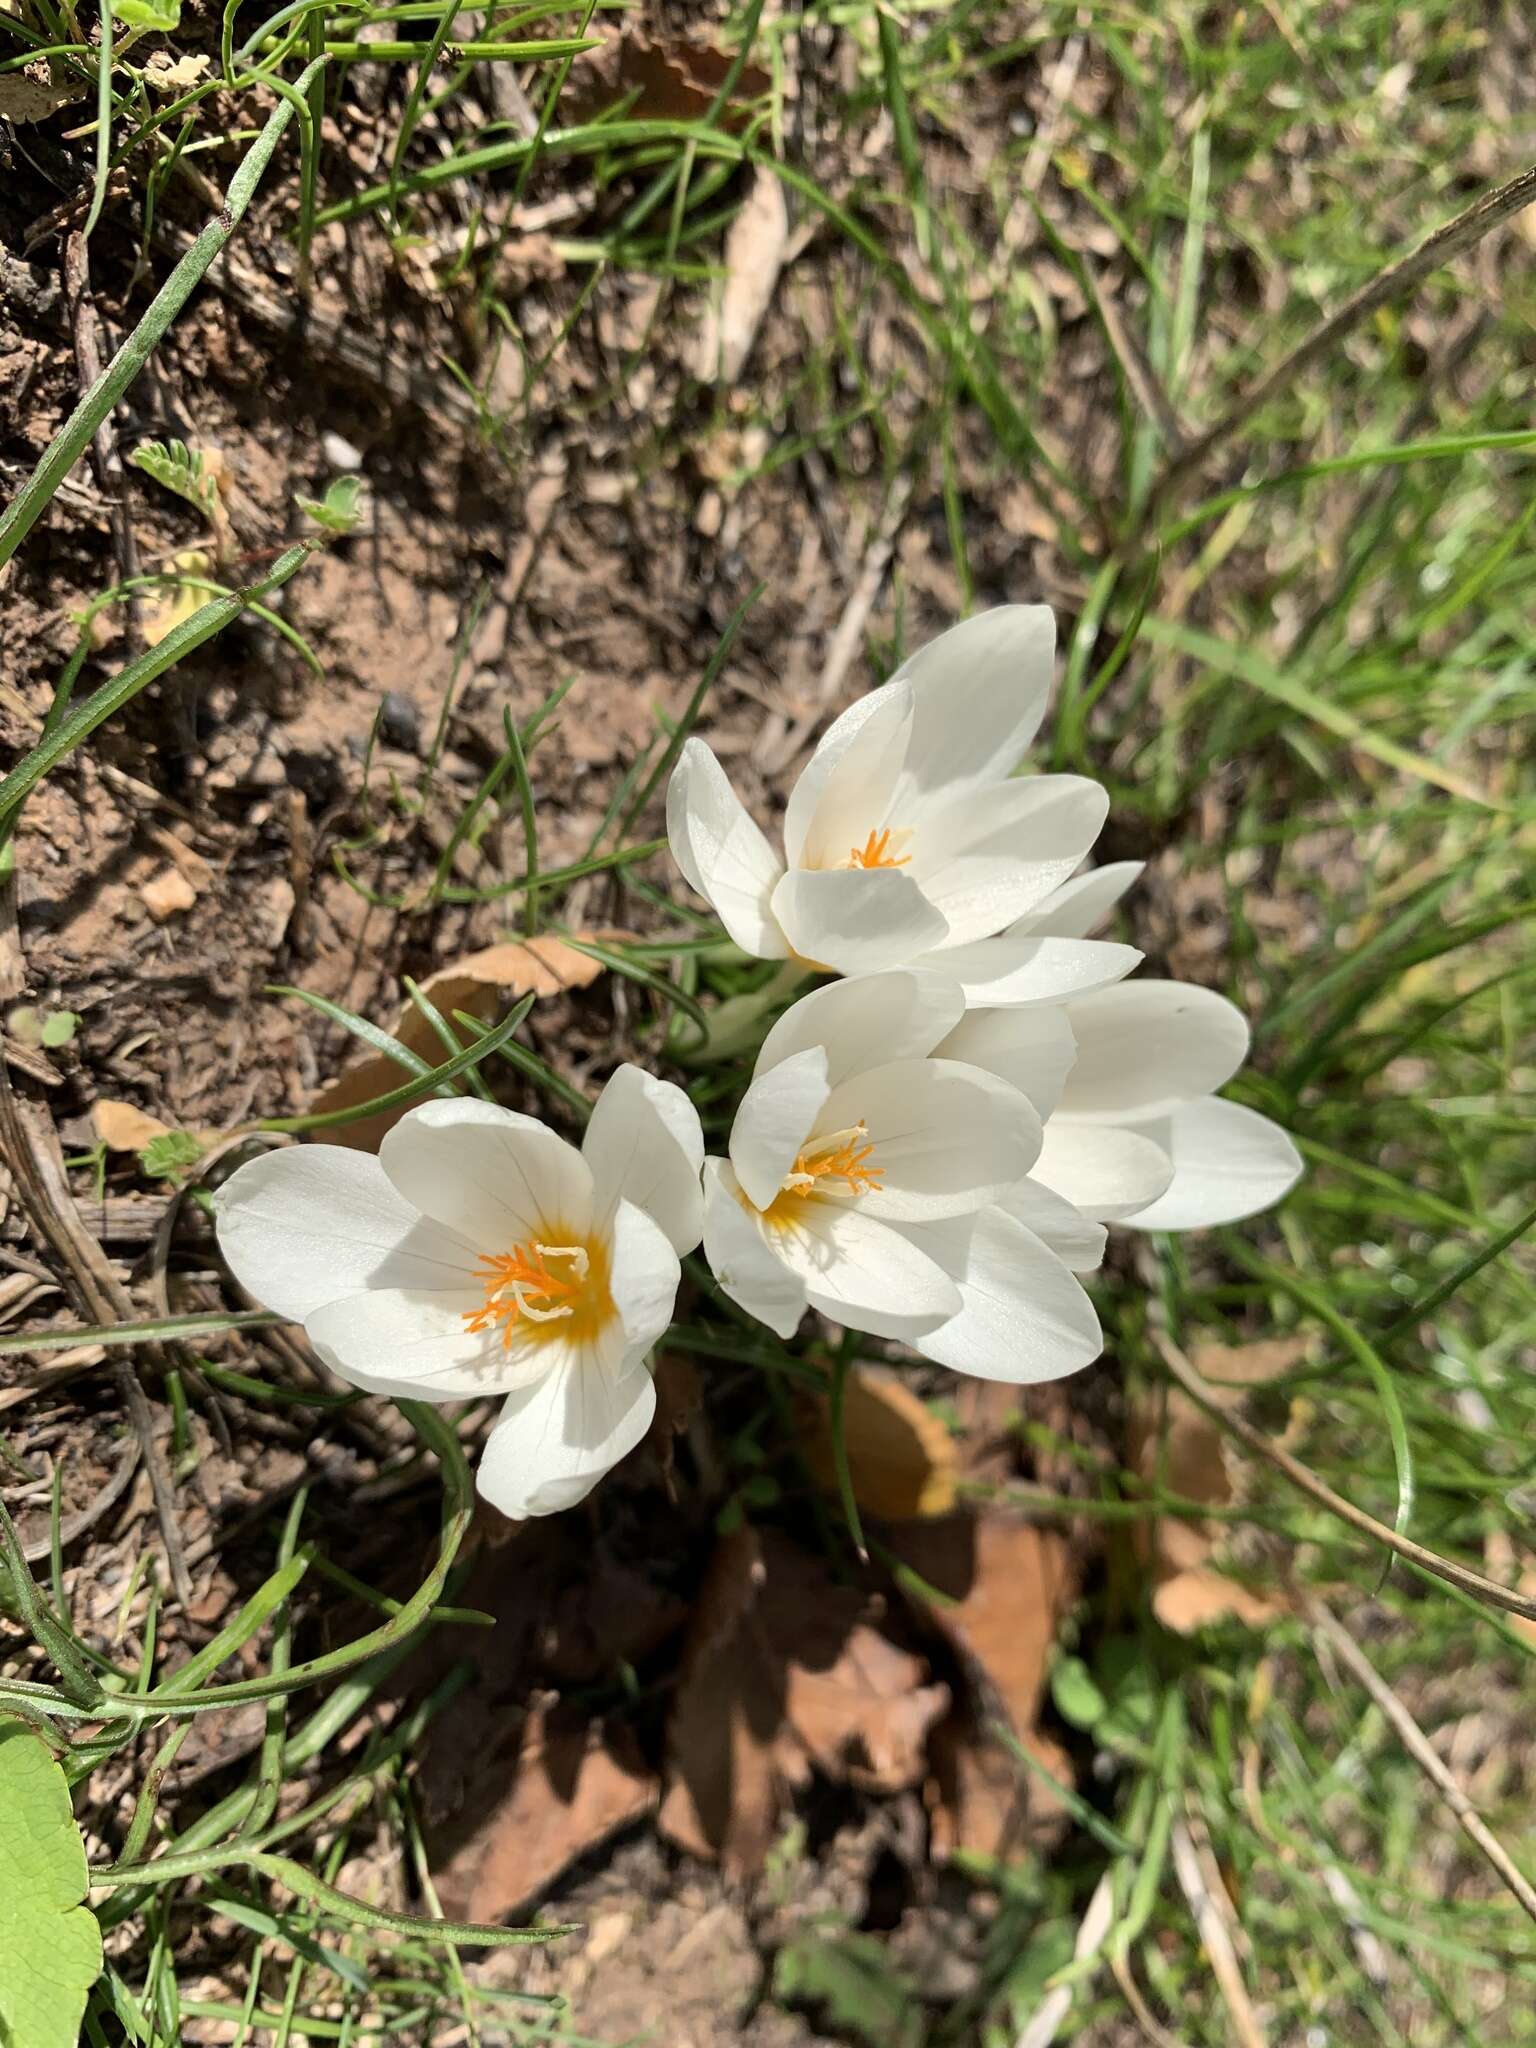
(857, 920)
(1078, 1243)
(984, 856)
(722, 852)
(644, 1145)
(1228, 1162)
(556, 1438)
(301, 1227)
(740, 1249)
(819, 770)
(416, 1346)
(947, 1138)
(980, 692)
(864, 1273)
(1147, 1046)
(1010, 972)
(1023, 1317)
(867, 1021)
(774, 1120)
(1031, 1049)
(497, 1178)
(1106, 1173)
(855, 794)
(1080, 906)
(643, 1277)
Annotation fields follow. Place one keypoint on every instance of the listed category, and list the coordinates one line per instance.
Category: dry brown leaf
(24, 99)
(122, 1128)
(164, 73)
(168, 894)
(983, 1802)
(676, 81)
(479, 984)
(572, 1787)
(1175, 1443)
(901, 1458)
(754, 256)
(1008, 1583)
(783, 1674)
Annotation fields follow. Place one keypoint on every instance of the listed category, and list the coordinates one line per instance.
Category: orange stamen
(875, 853)
(518, 1284)
(843, 1159)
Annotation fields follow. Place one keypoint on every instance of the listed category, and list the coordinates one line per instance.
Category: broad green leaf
(338, 510)
(50, 1945)
(164, 15)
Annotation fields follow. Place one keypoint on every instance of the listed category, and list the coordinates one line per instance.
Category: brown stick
(85, 324)
(1440, 247)
(1418, 1746)
(1208, 1904)
(1307, 1482)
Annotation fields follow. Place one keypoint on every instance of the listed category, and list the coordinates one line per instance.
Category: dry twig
(1419, 1747)
(1213, 1914)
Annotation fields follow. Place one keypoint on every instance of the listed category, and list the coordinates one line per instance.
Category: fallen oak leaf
(1004, 1587)
(479, 985)
(784, 1675)
(902, 1460)
(1175, 1444)
(574, 1785)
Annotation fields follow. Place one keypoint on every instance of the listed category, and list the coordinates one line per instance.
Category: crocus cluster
(928, 1150)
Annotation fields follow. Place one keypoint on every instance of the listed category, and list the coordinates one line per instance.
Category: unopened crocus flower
(908, 840)
(480, 1253)
(874, 1182)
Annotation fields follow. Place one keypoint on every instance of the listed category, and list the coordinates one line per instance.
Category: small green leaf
(31, 1026)
(59, 1027)
(337, 511)
(50, 1944)
(163, 15)
(170, 1156)
(852, 1979)
(1077, 1698)
(172, 463)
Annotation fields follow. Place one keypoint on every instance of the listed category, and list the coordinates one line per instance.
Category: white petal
(1146, 1046)
(722, 852)
(1032, 1049)
(980, 692)
(741, 1252)
(644, 1145)
(1228, 1162)
(1024, 1318)
(301, 1227)
(557, 1438)
(857, 920)
(1009, 972)
(643, 1277)
(414, 1346)
(867, 1021)
(855, 794)
(1078, 1243)
(1107, 1173)
(984, 856)
(1081, 905)
(774, 1120)
(864, 1273)
(497, 1178)
(819, 770)
(947, 1138)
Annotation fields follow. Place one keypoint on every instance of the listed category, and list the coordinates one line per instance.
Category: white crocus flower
(908, 841)
(479, 1253)
(874, 1183)
(1125, 1082)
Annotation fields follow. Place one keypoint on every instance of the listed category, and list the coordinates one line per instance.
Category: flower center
(876, 852)
(542, 1291)
(836, 1164)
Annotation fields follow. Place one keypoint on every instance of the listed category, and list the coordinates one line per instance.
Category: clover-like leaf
(50, 1944)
